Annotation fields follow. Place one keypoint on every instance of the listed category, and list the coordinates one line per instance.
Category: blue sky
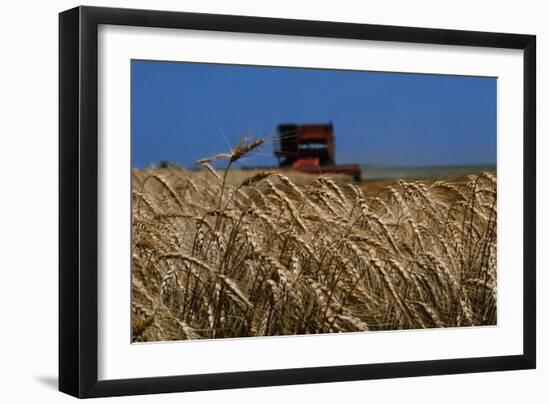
(185, 111)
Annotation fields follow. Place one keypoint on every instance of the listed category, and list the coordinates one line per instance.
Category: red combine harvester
(310, 149)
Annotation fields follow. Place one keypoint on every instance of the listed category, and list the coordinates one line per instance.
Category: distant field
(424, 173)
(252, 253)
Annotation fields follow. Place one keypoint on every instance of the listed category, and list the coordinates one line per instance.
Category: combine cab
(310, 149)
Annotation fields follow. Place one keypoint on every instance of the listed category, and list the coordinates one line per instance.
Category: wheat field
(239, 253)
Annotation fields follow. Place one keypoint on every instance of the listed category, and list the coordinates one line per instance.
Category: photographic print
(280, 201)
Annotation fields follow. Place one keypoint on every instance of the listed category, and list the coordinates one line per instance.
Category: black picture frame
(78, 201)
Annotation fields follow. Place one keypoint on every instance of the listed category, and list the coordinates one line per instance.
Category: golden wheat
(241, 253)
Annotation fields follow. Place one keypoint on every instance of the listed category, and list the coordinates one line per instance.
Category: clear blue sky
(185, 111)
